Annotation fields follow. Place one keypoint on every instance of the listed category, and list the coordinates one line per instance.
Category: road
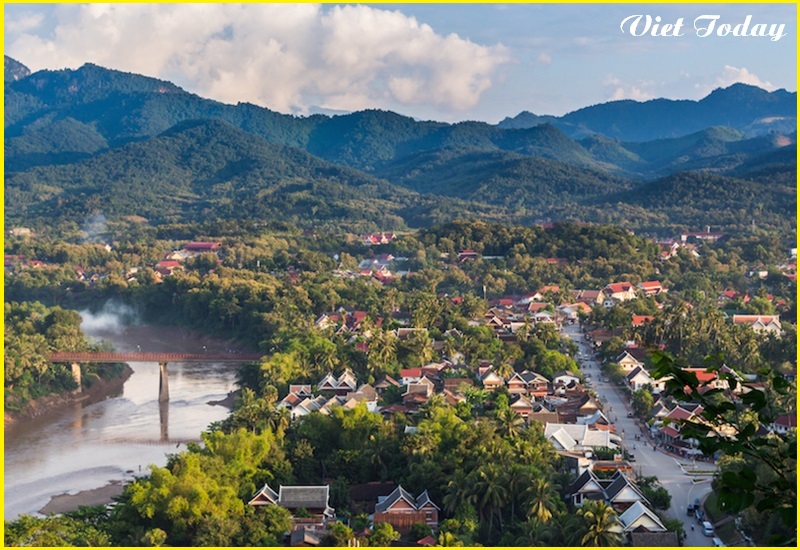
(648, 462)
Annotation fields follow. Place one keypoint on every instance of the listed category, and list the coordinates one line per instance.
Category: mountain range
(76, 139)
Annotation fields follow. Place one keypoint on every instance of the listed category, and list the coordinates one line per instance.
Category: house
(760, 323)
(586, 487)
(453, 384)
(590, 297)
(313, 500)
(301, 390)
(385, 383)
(418, 392)
(410, 376)
(628, 361)
(579, 437)
(580, 406)
(516, 384)
(638, 517)
(638, 378)
(167, 267)
(573, 311)
(540, 294)
(201, 247)
(522, 405)
(372, 239)
(341, 385)
(491, 381)
(650, 288)
(620, 292)
(665, 539)
(784, 423)
(467, 255)
(537, 385)
(401, 510)
(622, 493)
(701, 236)
(618, 491)
(641, 320)
(565, 378)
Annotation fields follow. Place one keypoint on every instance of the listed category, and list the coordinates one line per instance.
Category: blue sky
(433, 61)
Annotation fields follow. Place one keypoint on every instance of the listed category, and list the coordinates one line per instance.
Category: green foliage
(32, 332)
(760, 473)
(53, 531)
(383, 534)
(642, 402)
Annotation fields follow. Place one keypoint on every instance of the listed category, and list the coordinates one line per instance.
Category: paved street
(648, 462)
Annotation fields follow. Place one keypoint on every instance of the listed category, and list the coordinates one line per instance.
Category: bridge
(75, 358)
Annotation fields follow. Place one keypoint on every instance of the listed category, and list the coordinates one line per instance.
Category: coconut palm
(458, 492)
(541, 501)
(600, 523)
(509, 423)
(491, 492)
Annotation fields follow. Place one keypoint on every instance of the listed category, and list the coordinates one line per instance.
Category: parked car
(690, 510)
(708, 529)
(717, 541)
(698, 513)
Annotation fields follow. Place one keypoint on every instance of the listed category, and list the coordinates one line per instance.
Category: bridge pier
(76, 374)
(163, 419)
(163, 382)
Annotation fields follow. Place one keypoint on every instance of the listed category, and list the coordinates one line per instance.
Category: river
(88, 445)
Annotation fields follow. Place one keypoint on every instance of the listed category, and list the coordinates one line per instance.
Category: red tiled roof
(619, 287)
(787, 420)
(749, 319)
(670, 431)
(640, 320)
(410, 373)
(650, 284)
(168, 263)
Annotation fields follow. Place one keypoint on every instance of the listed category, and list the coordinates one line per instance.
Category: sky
(447, 62)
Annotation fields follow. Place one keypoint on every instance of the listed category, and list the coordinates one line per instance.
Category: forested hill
(57, 116)
(14, 70)
(202, 170)
(98, 140)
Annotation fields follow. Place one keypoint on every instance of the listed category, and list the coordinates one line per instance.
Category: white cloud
(732, 75)
(24, 22)
(284, 56)
(544, 59)
(641, 90)
(728, 76)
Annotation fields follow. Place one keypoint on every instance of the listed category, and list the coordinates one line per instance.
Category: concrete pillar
(76, 374)
(163, 418)
(163, 382)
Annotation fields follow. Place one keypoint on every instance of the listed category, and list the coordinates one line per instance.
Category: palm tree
(509, 422)
(458, 492)
(535, 533)
(517, 476)
(541, 501)
(491, 492)
(504, 370)
(600, 522)
(446, 538)
(435, 402)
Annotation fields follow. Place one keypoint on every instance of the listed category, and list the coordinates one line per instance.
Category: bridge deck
(108, 357)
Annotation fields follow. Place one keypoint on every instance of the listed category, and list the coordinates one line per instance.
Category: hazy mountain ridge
(743, 107)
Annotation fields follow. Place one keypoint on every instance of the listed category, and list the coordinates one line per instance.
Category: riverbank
(66, 502)
(47, 404)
